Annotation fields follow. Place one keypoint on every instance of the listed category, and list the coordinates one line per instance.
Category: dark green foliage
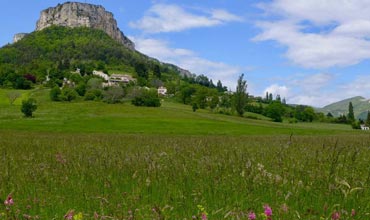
(147, 98)
(157, 71)
(367, 122)
(28, 107)
(185, 94)
(81, 89)
(221, 88)
(200, 97)
(55, 93)
(351, 115)
(304, 113)
(240, 96)
(195, 107)
(22, 83)
(275, 111)
(68, 94)
(141, 70)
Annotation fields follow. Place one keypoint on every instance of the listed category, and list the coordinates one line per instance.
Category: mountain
(360, 107)
(75, 14)
(75, 35)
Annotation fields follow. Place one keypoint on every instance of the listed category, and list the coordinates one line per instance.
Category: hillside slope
(360, 107)
(59, 49)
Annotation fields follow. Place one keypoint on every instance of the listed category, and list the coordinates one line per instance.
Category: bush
(55, 93)
(148, 98)
(94, 94)
(68, 94)
(28, 107)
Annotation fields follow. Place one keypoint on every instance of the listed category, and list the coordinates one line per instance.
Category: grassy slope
(171, 118)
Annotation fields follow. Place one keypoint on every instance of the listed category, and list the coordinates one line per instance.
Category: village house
(101, 74)
(121, 78)
(162, 90)
(365, 128)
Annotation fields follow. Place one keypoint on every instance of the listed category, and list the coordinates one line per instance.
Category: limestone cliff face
(73, 14)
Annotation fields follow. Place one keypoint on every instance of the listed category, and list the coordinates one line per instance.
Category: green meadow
(93, 160)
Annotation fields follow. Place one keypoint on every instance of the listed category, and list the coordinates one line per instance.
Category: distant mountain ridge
(360, 107)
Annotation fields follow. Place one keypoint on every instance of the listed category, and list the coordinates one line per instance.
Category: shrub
(28, 107)
(68, 94)
(55, 93)
(147, 98)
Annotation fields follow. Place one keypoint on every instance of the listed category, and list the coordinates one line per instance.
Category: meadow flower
(251, 216)
(335, 216)
(9, 200)
(69, 215)
(268, 210)
(204, 216)
(353, 212)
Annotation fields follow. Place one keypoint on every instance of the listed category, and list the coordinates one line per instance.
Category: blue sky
(310, 52)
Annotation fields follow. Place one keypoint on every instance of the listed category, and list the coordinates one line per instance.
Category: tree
(68, 94)
(55, 93)
(141, 70)
(240, 96)
(12, 96)
(113, 94)
(367, 122)
(157, 71)
(351, 115)
(147, 98)
(28, 107)
(275, 111)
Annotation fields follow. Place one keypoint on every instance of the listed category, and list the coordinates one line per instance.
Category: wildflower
(69, 215)
(268, 210)
(252, 216)
(335, 216)
(353, 212)
(204, 216)
(9, 200)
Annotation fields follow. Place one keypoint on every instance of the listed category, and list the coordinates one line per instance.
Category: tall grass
(112, 176)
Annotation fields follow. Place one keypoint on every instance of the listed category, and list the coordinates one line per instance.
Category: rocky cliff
(73, 14)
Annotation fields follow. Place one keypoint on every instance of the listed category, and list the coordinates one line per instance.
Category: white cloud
(173, 18)
(276, 89)
(319, 34)
(317, 89)
(189, 60)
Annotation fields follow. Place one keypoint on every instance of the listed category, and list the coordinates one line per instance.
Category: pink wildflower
(353, 212)
(335, 216)
(251, 216)
(9, 200)
(69, 215)
(204, 216)
(268, 210)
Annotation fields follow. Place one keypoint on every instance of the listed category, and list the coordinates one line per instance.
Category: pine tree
(351, 115)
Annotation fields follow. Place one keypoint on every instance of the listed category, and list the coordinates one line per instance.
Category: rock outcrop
(18, 37)
(73, 14)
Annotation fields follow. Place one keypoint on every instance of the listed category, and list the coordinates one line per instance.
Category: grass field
(103, 161)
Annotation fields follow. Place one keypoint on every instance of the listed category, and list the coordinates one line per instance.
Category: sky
(312, 52)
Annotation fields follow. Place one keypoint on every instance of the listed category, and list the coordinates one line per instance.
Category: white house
(124, 78)
(162, 90)
(101, 74)
(364, 128)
